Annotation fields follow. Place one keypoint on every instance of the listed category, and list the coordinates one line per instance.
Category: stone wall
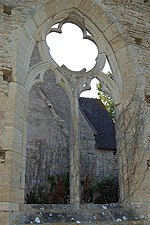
(95, 163)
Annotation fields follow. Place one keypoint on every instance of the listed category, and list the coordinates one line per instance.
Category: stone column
(75, 156)
(71, 83)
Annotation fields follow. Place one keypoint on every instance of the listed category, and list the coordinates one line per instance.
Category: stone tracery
(73, 83)
(71, 46)
(122, 53)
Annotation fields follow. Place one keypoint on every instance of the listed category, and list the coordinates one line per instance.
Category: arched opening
(77, 178)
(71, 47)
(98, 149)
(48, 140)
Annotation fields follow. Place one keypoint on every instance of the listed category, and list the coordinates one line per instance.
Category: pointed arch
(107, 35)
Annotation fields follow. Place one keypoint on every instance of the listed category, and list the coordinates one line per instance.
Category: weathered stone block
(50, 8)
(15, 159)
(6, 138)
(10, 175)
(94, 12)
(30, 27)
(4, 217)
(12, 195)
(103, 21)
(7, 206)
(18, 139)
(40, 15)
(24, 39)
(85, 6)
(112, 31)
(123, 56)
(117, 43)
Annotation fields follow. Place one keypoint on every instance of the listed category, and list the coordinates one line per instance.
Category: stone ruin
(120, 30)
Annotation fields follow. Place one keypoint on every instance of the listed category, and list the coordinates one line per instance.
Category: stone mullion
(75, 156)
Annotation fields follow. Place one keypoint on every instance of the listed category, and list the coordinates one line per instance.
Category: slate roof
(98, 117)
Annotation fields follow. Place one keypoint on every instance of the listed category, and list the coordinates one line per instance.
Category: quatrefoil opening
(70, 47)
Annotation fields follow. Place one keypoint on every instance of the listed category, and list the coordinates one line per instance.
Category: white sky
(69, 48)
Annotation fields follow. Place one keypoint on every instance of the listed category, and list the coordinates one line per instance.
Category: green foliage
(66, 183)
(36, 196)
(86, 195)
(105, 190)
(106, 99)
(52, 182)
(58, 191)
(108, 191)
